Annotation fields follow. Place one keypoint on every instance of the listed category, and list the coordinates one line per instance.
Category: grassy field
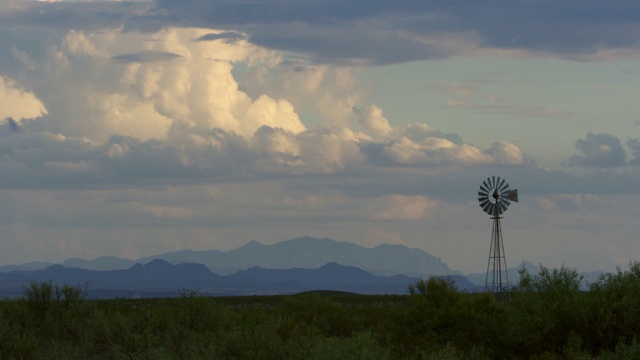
(545, 317)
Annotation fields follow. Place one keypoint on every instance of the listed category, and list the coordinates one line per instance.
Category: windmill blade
(487, 184)
(485, 189)
(504, 188)
(491, 208)
(483, 194)
(493, 181)
(486, 207)
(503, 207)
(484, 203)
(501, 182)
(505, 201)
(504, 195)
(512, 195)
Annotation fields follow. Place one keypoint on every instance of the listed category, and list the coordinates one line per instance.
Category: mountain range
(159, 278)
(303, 252)
(291, 266)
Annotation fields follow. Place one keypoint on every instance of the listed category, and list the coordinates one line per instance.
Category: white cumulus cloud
(17, 103)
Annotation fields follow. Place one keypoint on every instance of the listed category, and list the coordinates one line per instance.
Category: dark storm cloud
(13, 125)
(599, 150)
(147, 56)
(227, 36)
(371, 31)
(73, 15)
(380, 31)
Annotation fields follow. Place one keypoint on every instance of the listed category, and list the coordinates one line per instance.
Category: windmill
(495, 197)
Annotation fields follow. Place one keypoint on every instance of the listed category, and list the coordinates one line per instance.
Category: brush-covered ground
(546, 316)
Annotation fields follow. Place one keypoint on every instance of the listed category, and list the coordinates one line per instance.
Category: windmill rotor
(495, 196)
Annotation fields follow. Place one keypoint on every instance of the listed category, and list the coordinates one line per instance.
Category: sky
(134, 128)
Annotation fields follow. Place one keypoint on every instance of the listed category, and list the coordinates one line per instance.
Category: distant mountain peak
(252, 244)
(56, 267)
(304, 238)
(310, 240)
(158, 264)
(331, 264)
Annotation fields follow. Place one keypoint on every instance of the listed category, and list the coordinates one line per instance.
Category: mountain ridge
(301, 252)
(309, 252)
(159, 278)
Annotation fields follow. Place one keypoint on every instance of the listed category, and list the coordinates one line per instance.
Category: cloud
(198, 119)
(569, 202)
(330, 92)
(505, 153)
(226, 36)
(367, 33)
(170, 212)
(191, 120)
(469, 95)
(381, 32)
(18, 104)
(85, 15)
(377, 236)
(13, 125)
(402, 207)
(456, 88)
(148, 56)
(634, 146)
(598, 150)
(374, 122)
(145, 96)
(440, 151)
(318, 151)
(510, 109)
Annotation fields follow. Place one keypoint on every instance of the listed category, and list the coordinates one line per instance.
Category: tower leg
(497, 279)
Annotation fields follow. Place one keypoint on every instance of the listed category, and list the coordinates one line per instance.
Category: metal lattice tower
(495, 282)
(495, 197)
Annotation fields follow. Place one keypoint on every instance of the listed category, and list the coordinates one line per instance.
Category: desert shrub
(622, 352)
(614, 303)
(360, 346)
(547, 310)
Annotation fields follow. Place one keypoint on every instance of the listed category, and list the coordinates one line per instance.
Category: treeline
(546, 316)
